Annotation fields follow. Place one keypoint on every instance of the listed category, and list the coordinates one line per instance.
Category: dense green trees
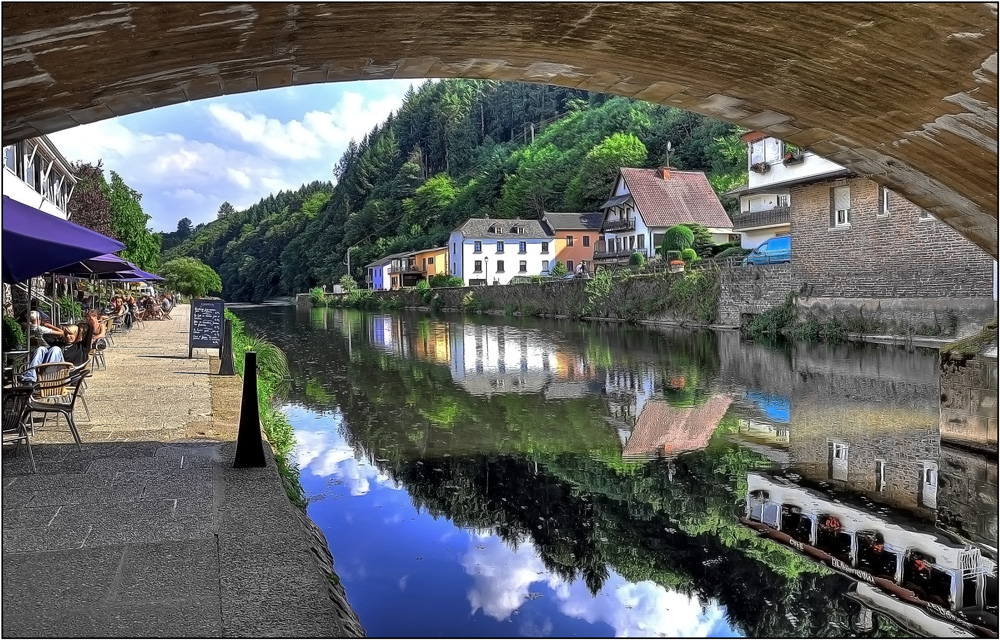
(114, 209)
(455, 149)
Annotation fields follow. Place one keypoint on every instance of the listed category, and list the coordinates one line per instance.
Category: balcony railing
(619, 225)
(751, 219)
(602, 253)
(407, 268)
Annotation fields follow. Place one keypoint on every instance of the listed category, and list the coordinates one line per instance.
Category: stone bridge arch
(906, 94)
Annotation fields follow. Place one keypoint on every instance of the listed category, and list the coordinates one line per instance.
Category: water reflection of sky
(409, 574)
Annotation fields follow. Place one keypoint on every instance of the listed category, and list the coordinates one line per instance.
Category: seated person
(166, 304)
(42, 355)
(50, 333)
(79, 351)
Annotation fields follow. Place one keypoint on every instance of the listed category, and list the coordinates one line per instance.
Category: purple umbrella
(107, 263)
(35, 242)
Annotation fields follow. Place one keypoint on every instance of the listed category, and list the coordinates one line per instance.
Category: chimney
(663, 173)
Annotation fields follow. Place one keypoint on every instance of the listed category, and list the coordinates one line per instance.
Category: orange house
(431, 261)
(576, 235)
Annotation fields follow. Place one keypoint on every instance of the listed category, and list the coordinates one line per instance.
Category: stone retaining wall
(969, 401)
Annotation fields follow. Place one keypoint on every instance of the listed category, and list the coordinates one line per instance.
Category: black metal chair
(16, 402)
(63, 407)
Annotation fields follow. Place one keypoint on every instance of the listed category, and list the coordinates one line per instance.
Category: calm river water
(517, 477)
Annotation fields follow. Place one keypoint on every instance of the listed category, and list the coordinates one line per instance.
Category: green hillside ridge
(456, 149)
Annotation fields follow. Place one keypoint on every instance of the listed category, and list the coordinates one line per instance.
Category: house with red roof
(644, 203)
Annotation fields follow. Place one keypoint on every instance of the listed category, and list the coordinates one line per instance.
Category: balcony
(618, 226)
(768, 217)
(603, 253)
(404, 268)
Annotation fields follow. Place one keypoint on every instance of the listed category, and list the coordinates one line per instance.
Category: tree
(599, 170)
(559, 269)
(90, 205)
(348, 283)
(191, 277)
(184, 227)
(128, 222)
(226, 209)
(703, 244)
(637, 260)
(677, 238)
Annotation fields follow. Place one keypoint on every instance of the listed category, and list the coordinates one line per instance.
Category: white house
(36, 174)
(765, 202)
(646, 202)
(488, 251)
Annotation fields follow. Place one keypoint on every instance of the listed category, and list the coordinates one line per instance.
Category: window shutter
(833, 209)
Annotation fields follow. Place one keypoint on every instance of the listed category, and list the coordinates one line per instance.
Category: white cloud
(316, 135)
(238, 177)
(503, 580)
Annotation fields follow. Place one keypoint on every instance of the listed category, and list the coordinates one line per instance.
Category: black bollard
(249, 444)
(226, 365)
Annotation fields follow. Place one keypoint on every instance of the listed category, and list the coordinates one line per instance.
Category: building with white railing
(37, 174)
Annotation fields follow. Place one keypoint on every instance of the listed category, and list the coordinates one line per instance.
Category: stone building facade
(886, 247)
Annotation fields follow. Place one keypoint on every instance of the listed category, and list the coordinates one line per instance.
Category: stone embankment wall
(967, 494)
(969, 401)
(748, 291)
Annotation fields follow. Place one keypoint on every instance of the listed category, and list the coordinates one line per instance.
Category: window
(586, 241)
(880, 475)
(641, 242)
(840, 212)
(477, 246)
(478, 268)
(10, 157)
(499, 246)
(782, 201)
(545, 266)
(545, 247)
(569, 241)
(765, 150)
(838, 461)
(569, 266)
(631, 243)
(522, 247)
(926, 215)
(523, 266)
(883, 203)
(499, 266)
(453, 247)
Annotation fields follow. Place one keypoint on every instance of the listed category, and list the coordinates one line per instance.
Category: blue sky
(188, 159)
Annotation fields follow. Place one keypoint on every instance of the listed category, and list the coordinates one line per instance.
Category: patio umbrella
(107, 263)
(35, 242)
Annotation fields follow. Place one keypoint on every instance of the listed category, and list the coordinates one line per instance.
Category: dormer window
(517, 229)
(495, 228)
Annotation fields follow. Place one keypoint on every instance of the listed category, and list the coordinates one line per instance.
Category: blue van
(773, 251)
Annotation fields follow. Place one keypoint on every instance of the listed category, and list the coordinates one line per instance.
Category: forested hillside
(455, 149)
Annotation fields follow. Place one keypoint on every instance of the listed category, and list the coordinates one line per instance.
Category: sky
(187, 159)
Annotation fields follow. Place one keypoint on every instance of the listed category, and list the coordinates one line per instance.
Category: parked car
(773, 251)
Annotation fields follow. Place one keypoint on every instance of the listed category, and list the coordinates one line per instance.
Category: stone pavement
(149, 531)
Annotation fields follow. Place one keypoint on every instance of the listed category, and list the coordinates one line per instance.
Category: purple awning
(107, 263)
(35, 242)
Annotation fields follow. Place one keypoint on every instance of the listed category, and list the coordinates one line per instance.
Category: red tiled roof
(662, 430)
(686, 196)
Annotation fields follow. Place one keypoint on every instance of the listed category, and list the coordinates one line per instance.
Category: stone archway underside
(905, 94)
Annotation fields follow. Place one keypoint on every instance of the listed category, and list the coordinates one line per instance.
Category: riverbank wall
(722, 296)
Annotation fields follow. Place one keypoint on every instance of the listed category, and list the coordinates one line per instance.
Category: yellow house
(431, 261)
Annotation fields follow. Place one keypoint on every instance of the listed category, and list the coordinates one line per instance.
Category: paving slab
(149, 531)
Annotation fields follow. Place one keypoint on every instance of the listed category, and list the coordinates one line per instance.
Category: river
(482, 476)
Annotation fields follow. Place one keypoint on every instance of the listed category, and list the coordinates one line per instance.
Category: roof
(385, 259)
(429, 250)
(590, 221)
(616, 200)
(685, 197)
(664, 431)
(480, 228)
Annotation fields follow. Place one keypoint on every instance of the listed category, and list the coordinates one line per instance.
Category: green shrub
(510, 309)
(677, 238)
(13, 334)
(348, 283)
(445, 280)
(473, 304)
(637, 260)
(424, 291)
(70, 308)
(316, 296)
(733, 252)
(695, 294)
(703, 244)
(778, 321)
(559, 269)
(598, 290)
(689, 255)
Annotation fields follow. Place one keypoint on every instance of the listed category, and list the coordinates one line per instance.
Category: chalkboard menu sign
(206, 324)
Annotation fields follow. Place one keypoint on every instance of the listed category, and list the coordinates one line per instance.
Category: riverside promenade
(149, 531)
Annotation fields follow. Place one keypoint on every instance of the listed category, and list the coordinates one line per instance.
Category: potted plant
(760, 167)
(792, 154)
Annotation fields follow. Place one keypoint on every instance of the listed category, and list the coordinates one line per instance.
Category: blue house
(378, 274)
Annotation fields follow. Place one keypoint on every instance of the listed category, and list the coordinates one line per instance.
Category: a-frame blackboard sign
(206, 324)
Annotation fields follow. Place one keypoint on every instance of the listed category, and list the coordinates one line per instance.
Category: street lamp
(486, 270)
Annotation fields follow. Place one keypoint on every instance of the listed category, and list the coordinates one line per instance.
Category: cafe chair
(15, 406)
(62, 406)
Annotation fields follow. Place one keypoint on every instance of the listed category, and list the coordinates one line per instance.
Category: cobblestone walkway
(150, 533)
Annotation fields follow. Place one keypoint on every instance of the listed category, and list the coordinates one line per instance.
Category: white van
(147, 290)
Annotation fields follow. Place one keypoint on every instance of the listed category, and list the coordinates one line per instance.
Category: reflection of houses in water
(385, 332)
(663, 431)
(497, 359)
(918, 566)
(628, 390)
